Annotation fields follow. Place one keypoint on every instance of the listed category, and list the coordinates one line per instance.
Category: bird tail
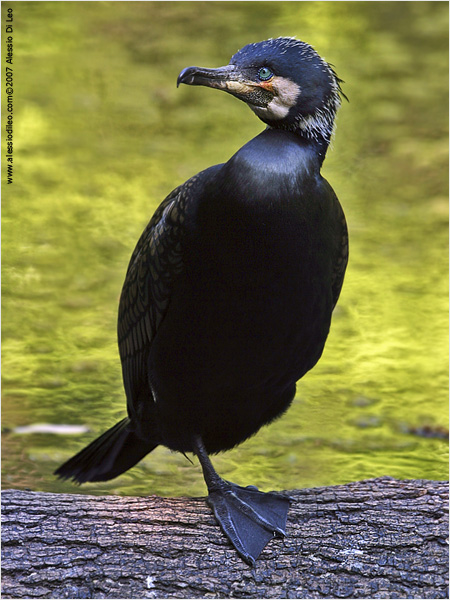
(114, 452)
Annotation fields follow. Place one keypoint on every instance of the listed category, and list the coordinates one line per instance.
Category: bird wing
(337, 278)
(153, 268)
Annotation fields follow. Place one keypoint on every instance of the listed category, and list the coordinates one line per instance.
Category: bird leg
(248, 517)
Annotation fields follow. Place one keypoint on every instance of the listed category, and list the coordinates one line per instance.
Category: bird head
(284, 81)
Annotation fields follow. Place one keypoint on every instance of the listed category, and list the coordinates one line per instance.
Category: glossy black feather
(263, 256)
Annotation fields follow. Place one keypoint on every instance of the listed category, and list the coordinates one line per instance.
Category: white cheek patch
(286, 95)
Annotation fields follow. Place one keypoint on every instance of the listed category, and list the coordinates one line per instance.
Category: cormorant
(228, 296)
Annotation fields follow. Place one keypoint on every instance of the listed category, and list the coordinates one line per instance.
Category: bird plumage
(228, 296)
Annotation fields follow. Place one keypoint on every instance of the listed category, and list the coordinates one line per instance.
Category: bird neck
(268, 170)
(317, 141)
(316, 128)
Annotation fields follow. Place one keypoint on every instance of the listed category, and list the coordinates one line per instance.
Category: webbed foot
(248, 517)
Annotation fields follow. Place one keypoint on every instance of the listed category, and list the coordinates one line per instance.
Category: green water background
(102, 135)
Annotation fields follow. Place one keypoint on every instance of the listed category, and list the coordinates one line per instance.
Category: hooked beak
(215, 78)
(230, 79)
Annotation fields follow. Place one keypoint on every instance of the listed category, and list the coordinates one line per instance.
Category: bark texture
(381, 538)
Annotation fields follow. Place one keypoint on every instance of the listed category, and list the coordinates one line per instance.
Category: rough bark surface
(381, 538)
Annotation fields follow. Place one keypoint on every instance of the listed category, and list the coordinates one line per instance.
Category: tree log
(380, 538)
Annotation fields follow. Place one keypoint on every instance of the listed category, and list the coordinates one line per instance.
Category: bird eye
(265, 74)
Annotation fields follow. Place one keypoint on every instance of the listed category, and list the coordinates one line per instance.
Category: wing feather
(153, 268)
(342, 259)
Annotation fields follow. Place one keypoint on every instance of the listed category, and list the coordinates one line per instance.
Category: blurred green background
(102, 135)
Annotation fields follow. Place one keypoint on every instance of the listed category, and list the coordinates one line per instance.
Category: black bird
(228, 296)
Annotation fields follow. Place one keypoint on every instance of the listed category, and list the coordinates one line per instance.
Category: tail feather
(111, 454)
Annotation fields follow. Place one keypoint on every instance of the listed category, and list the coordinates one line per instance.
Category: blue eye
(265, 74)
